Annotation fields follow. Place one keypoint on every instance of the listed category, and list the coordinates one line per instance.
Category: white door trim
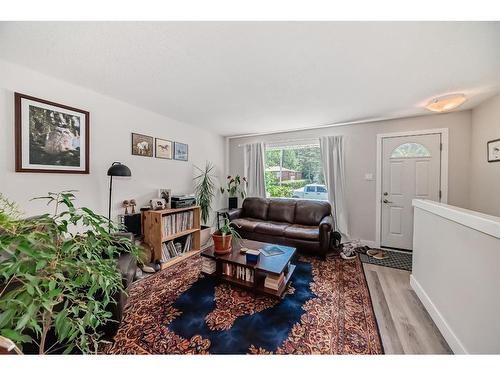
(378, 180)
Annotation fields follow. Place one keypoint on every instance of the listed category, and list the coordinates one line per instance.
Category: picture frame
(181, 151)
(493, 150)
(142, 145)
(165, 194)
(163, 148)
(50, 137)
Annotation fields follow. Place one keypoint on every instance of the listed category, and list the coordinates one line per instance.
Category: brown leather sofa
(304, 224)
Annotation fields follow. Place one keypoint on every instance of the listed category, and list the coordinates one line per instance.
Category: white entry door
(411, 168)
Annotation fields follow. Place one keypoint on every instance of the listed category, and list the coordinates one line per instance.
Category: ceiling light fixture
(446, 103)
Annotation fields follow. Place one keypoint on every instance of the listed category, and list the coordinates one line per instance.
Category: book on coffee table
(271, 250)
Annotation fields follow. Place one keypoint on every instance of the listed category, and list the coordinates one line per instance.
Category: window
(294, 171)
(410, 150)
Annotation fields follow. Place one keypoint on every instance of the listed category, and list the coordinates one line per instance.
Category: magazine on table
(271, 250)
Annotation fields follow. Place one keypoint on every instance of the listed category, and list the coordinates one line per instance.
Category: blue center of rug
(266, 329)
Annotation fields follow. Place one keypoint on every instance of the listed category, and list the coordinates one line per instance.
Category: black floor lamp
(116, 169)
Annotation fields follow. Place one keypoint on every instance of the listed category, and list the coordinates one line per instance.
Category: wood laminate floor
(404, 324)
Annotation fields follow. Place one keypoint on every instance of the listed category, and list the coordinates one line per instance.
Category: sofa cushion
(247, 224)
(255, 208)
(272, 228)
(310, 212)
(282, 210)
(302, 232)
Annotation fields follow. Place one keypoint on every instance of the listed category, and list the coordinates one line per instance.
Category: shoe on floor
(347, 257)
(372, 252)
(381, 255)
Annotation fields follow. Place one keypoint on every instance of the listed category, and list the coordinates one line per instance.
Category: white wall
(456, 254)
(111, 125)
(485, 177)
(361, 146)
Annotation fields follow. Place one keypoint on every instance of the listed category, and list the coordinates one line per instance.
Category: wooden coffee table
(273, 265)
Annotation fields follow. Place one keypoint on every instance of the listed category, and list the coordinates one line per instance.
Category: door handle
(386, 201)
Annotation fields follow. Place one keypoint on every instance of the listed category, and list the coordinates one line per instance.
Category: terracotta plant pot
(222, 244)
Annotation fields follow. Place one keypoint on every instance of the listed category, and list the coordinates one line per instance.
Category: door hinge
(440, 194)
(441, 147)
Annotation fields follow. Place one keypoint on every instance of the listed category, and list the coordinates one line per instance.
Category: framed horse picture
(163, 148)
(50, 137)
(142, 145)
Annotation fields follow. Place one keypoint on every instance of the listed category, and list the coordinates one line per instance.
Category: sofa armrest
(325, 230)
(234, 214)
(326, 223)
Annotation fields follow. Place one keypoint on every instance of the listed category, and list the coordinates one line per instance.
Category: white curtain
(332, 158)
(254, 170)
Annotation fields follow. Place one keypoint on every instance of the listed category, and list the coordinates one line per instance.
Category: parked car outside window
(311, 191)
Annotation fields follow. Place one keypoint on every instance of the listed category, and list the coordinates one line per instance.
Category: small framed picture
(163, 148)
(494, 150)
(50, 137)
(165, 194)
(180, 151)
(142, 145)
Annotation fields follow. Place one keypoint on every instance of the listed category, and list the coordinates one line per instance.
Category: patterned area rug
(326, 310)
(396, 259)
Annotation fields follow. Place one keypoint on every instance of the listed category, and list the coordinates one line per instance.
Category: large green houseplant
(204, 188)
(58, 275)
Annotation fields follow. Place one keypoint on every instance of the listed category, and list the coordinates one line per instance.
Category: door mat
(395, 259)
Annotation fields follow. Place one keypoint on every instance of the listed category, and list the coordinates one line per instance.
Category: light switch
(369, 176)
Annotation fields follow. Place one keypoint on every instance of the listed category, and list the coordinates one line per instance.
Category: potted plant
(204, 187)
(234, 189)
(58, 276)
(224, 237)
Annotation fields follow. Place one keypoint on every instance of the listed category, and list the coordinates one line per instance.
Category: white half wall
(361, 147)
(456, 253)
(111, 125)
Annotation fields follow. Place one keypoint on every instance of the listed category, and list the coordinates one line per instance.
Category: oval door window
(410, 150)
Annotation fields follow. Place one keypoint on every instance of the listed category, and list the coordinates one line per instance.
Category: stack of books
(176, 223)
(274, 282)
(208, 266)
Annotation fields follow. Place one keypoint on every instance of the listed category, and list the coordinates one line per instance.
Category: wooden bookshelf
(155, 236)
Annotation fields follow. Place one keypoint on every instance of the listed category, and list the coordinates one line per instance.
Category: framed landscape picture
(50, 137)
(494, 150)
(142, 145)
(163, 148)
(180, 151)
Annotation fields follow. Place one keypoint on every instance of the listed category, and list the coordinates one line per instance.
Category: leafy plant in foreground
(57, 275)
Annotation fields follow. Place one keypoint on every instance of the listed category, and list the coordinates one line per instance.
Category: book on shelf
(175, 223)
(274, 282)
(238, 272)
(188, 243)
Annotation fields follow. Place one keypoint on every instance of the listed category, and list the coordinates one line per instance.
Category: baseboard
(438, 319)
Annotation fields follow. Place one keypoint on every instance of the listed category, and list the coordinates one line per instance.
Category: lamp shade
(119, 169)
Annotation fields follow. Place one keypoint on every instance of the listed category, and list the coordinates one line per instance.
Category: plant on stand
(234, 189)
(224, 237)
(58, 276)
(204, 188)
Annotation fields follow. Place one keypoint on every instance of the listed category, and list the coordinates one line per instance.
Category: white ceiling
(250, 77)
